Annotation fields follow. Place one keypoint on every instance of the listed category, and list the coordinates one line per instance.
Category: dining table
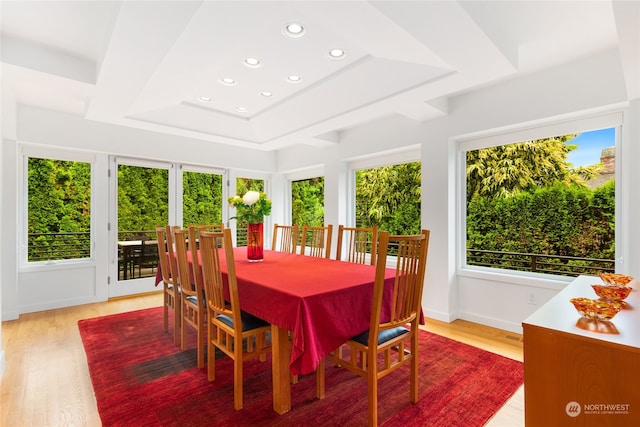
(313, 305)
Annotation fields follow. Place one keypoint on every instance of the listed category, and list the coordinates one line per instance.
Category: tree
(59, 202)
(201, 198)
(307, 202)
(143, 198)
(509, 169)
(389, 196)
(555, 220)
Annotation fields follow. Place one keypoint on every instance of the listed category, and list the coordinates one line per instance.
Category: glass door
(143, 201)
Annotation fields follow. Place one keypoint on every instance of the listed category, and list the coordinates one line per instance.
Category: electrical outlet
(532, 298)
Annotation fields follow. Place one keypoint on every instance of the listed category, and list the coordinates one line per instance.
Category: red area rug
(141, 379)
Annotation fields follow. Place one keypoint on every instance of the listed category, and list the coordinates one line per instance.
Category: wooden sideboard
(579, 372)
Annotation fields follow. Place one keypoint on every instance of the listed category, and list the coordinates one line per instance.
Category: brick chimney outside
(608, 160)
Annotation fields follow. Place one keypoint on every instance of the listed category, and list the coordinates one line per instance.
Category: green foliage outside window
(59, 209)
(554, 220)
(307, 202)
(389, 196)
(143, 199)
(201, 198)
(509, 169)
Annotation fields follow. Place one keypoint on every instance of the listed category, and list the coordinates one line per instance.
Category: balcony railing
(57, 246)
(50, 246)
(550, 264)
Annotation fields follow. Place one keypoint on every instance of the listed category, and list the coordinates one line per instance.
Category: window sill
(35, 267)
(546, 281)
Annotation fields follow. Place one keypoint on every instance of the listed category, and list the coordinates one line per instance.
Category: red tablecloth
(322, 302)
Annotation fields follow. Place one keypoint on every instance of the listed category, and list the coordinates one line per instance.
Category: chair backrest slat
(360, 244)
(317, 239)
(185, 271)
(287, 236)
(194, 247)
(162, 254)
(173, 264)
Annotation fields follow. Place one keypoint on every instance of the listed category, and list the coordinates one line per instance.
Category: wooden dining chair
(285, 238)
(197, 229)
(382, 349)
(170, 281)
(228, 326)
(357, 244)
(192, 302)
(317, 239)
(194, 248)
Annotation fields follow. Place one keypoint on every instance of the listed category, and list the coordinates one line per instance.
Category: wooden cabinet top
(559, 315)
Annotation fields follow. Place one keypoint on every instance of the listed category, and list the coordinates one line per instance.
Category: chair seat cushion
(249, 321)
(383, 336)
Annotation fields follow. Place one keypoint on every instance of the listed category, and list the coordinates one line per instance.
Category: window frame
(526, 132)
(409, 155)
(30, 151)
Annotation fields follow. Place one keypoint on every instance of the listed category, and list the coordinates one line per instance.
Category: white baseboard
(492, 322)
(440, 315)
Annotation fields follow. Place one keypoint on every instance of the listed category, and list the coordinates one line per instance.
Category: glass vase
(255, 242)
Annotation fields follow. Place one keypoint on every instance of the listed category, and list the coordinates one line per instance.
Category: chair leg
(166, 312)
(177, 320)
(200, 333)
(414, 367)
(211, 354)
(237, 380)
(184, 327)
(372, 397)
(320, 385)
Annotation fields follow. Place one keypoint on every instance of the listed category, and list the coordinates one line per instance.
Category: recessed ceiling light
(227, 81)
(337, 54)
(242, 109)
(252, 62)
(266, 94)
(294, 79)
(205, 99)
(293, 30)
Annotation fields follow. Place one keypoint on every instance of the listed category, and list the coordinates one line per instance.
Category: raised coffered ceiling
(148, 64)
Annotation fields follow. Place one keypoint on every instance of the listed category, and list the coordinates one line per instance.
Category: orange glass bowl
(616, 279)
(596, 309)
(612, 292)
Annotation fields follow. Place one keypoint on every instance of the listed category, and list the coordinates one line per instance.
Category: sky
(590, 145)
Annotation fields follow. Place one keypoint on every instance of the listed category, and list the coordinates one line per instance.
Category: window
(538, 205)
(307, 202)
(389, 197)
(58, 209)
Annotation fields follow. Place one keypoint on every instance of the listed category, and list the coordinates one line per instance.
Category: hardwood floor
(46, 381)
